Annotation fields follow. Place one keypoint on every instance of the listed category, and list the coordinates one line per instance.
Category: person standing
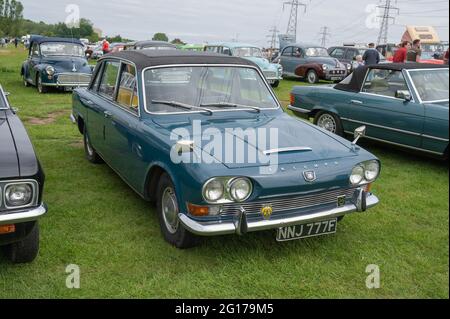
(105, 46)
(371, 56)
(415, 52)
(16, 42)
(400, 54)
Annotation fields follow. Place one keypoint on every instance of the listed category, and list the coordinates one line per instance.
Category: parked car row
(137, 113)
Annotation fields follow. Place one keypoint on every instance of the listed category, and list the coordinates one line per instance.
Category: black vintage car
(21, 187)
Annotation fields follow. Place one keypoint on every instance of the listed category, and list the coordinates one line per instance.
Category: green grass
(97, 222)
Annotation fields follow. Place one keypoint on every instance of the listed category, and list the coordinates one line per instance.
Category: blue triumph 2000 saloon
(55, 63)
(204, 137)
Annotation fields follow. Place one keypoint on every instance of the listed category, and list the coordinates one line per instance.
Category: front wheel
(312, 77)
(329, 122)
(26, 250)
(275, 84)
(40, 87)
(171, 227)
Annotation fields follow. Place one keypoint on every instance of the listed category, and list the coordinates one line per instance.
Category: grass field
(98, 223)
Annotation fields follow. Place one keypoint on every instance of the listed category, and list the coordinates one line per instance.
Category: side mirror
(404, 95)
(359, 132)
(6, 93)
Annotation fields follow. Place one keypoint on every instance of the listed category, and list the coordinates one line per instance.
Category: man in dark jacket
(371, 56)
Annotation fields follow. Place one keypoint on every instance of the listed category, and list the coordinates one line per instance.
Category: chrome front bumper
(23, 216)
(361, 202)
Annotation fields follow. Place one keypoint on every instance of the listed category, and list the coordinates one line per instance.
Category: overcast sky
(198, 21)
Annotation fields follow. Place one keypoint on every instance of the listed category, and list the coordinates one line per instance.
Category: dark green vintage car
(400, 104)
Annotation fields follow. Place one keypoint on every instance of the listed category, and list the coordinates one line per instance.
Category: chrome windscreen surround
(4, 185)
(284, 204)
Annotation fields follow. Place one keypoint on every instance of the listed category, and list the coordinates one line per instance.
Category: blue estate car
(179, 127)
(56, 62)
(272, 71)
(404, 105)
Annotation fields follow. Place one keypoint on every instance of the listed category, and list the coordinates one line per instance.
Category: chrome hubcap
(170, 210)
(327, 122)
(312, 77)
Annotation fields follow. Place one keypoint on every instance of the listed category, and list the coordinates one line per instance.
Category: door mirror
(359, 132)
(404, 95)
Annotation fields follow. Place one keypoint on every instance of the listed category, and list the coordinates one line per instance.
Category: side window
(288, 51)
(35, 50)
(226, 51)
(127, 95)
(212, 49)
(350, 54)
(109, 78)
(298, 53)
(96, 80)
(384, 82)
(338, 53)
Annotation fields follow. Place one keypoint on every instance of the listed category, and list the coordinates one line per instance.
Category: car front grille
(337, 72)
(270, 74)
(280, 205)
(75, 78)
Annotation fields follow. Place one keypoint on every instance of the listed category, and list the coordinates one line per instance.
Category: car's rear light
(7, 229)
(292, 100)
(196, 210)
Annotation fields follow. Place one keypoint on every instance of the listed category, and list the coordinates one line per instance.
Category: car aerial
(348, 54)
(143, 115)
(154, 45)
(55, 62)
(272, 71)
(311, 62)
(400, 104)
(21, 188)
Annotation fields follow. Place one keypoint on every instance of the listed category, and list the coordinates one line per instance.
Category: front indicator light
(7, 229)
(199, 211)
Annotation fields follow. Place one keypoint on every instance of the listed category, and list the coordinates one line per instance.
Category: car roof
(154, 43)
(233, 45)
(304, 45)
(359, 74)
(41, 39)
(149, 58)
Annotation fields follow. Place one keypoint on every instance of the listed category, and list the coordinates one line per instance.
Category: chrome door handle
(107, 114)
(89, 102)
(356, 102)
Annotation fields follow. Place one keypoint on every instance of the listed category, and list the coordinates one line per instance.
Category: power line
(386, 17)
(273, 37)
(324, 34)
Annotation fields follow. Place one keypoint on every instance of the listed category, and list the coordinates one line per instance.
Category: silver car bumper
(362, 201)
(23, 216)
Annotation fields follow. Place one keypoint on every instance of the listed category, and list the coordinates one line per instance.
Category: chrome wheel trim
(312, 78)
(89, 148)
(39, 84)
(327, 122)
(169, 208)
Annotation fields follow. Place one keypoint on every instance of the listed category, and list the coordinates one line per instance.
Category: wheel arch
(154, 173)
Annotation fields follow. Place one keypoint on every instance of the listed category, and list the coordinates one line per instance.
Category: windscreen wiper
(236, 105)
(183, 106)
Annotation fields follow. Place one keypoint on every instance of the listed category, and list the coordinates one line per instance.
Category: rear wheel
(171, 227)
(91, 155)
(26, 250)
(312, 77)
(329, 122)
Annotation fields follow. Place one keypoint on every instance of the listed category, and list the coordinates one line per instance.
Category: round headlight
(50, 70)
(371, 170)
(240, 189)
(357, 175)
(349, 66)
(18, 195)
(324, 66)
(213, 190)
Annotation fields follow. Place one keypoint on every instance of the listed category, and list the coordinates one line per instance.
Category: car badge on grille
(309, 176)
(74, 69)
(266, 211)
(341, 201)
